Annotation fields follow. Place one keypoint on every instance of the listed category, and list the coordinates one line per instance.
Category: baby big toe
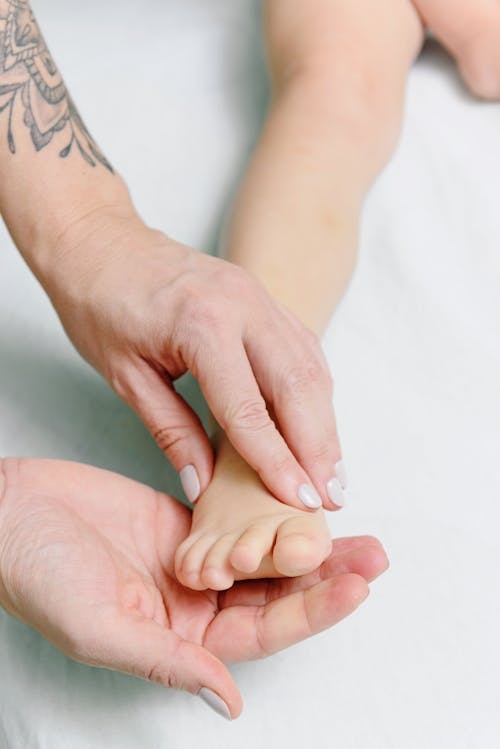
(300, 549)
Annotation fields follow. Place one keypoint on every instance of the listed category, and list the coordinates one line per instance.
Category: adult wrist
(44, 234)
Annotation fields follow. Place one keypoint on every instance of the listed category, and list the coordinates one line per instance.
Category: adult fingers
(295, 379)
(363, 555)
(247, 632)
(173, 424)
(229, 385)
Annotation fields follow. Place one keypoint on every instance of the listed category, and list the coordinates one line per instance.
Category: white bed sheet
(175, 93)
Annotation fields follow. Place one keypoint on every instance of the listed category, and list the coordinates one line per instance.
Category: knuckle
(164, 671)
(302, 377)
(248, 415)
(282, 463)
(170, 439)
(119, 382)
(124, 375)
(320, 452)
(315, 348)
(205, 301)
(234, 279)
(242, 290)
(159, 673)
(205, 313)
(197, 301)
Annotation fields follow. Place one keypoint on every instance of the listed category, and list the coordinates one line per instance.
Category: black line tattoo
(30, 79)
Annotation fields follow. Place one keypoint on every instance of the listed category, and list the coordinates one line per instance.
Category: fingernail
(341, 473)
(190, 482)
(335, 492)
(215, 702)
(309, 496)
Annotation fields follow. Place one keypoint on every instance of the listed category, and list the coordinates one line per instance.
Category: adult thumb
(148, 650)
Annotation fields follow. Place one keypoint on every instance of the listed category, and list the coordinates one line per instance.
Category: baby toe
(251, 547)
(300, 547)
(217, 572)
(189, 565)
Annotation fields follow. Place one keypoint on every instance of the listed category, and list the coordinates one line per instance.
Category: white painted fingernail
(341, 473)
(335, 492)
(309, 496)
(190, 482)
(215, 702)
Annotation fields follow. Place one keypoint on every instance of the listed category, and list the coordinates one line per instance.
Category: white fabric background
(175, 93)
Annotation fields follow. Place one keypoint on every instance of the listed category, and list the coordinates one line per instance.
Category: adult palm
(86, 557)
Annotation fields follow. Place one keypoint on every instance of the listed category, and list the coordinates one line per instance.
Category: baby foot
(241, 531)
(471, 31)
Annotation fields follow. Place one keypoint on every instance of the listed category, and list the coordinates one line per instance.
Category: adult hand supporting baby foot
(86, 557)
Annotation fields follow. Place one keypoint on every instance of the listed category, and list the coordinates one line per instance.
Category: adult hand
(86, 557)
(143, 309)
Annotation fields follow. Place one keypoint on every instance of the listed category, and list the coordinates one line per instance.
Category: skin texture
(86, 557)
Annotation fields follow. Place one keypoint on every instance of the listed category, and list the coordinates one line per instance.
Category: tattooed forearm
(31, 84)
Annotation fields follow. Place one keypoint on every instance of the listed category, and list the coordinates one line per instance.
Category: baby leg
(338, 71)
